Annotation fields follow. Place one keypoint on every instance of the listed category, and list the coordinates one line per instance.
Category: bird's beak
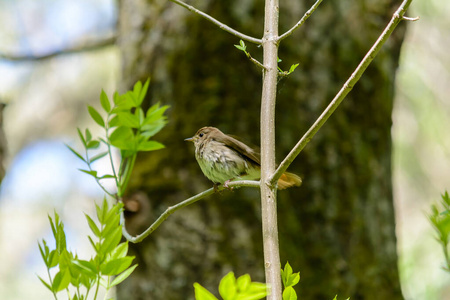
(191, 139)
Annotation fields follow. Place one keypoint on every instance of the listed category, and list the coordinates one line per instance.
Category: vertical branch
(268, 191)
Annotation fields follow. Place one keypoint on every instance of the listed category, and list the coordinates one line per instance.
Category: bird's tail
(288, 180)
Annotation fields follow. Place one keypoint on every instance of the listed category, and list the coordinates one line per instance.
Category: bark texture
(338, 228)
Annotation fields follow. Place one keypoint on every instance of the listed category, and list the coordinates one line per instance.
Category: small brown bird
(223, 159)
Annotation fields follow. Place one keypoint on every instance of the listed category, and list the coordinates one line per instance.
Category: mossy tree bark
(338, 228)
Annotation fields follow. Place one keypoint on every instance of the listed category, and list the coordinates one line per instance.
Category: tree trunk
(338, 228)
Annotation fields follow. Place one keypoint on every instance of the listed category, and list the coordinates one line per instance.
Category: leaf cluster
(440, 220)
(127, 127)
(231, 288)
(289, 279)
(109, 267)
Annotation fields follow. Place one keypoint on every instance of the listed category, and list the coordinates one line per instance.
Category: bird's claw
(225, 184)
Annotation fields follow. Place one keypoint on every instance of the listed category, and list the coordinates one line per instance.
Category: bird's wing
(242, 148)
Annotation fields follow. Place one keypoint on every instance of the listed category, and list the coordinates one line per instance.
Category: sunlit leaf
(61, 281)
(90, 172)
(45, 283)
(227, 286)
(128, 119)
(104, 101)
(123, 138)
(93, 226)
(122, 276)
(93, 144)
(98, 156)
(202, 294)
(116, 266)
(96, 116)
(76, 153)
(289, 293)
(83, 140)
(150, 146)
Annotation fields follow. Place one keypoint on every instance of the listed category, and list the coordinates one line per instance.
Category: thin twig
(256, 62)
(172, 209)
(347, 87)
(218, 23)
(301, 22)
(77, 49)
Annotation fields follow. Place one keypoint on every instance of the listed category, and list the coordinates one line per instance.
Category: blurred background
(46, 100)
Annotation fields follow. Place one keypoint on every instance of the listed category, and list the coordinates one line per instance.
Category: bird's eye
(201, 134)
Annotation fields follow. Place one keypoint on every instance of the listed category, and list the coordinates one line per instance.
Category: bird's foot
(225, 184)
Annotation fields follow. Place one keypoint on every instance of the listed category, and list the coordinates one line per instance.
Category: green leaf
(279, 59)
(87, 267)
(123, 138)
(149, 146)
(122, 102)
(96, 116)
(112, 240)
(104, 101)
(143, 92)
(294, 279)
(93, 244)
(76, 153)
(106, 176)
(92, 172)
(255, 291)
(45, 283)
(134, 95)
(128, 119)
(83, 140)
(139, 113)
(93, 226)
(202, 294)
(98, 156)
(289, 294)
(88, 135)
(289, 278)
(58, 233)
(122, 276)
(61, 281)
(53, 259)
(65, 260)
(104, 211)
(243, 282)
(150, 130)
(116, 266)
(114, 122)
(155, 113)
(120, 251)
(44, 252)
(286, 273)
(93, 145)
(293, 67)
(227, 286)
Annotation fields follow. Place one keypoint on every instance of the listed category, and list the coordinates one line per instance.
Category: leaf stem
(97, 287)
(108, 144)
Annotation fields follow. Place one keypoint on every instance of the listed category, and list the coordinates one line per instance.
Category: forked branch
(347, 87)
(172, 209)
